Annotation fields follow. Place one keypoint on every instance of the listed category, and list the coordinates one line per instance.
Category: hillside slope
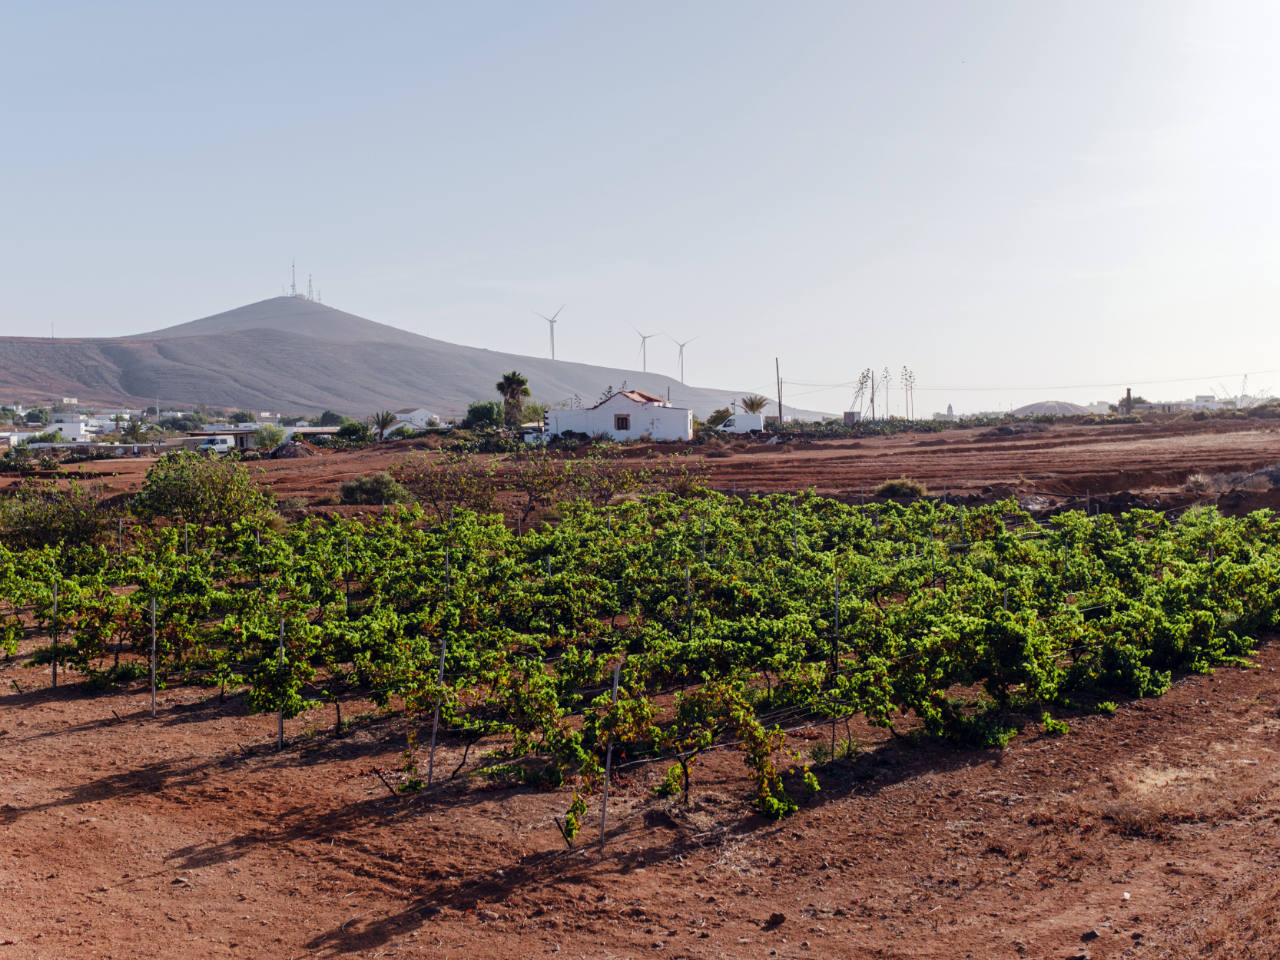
(296, 355)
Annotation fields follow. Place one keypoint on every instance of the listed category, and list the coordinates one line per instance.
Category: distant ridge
(296, 315)
(294, 355)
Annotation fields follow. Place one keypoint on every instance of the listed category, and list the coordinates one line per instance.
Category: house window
(622, 421)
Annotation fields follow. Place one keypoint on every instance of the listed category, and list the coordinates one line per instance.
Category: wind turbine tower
(682, 346)
(644, 349)
(551, 322)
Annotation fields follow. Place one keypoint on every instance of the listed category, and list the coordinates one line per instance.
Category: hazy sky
(1021, 200)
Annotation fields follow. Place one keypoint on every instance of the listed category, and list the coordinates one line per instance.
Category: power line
(1040, 386)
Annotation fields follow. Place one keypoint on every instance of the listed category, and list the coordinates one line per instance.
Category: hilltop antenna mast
(310, 295)
(551, 322)
(293, 278)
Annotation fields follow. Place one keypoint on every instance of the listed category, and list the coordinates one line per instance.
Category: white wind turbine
(551, 322)
(644, 349)
(682, 346)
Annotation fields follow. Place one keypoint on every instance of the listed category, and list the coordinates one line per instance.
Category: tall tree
(754, 403)
(513, 387)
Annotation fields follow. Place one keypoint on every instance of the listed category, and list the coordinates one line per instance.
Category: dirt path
(189, 836)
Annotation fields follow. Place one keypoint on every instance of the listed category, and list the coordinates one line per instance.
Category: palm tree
(754, 403)
(381, 420)
(513, 387)
(132, 431)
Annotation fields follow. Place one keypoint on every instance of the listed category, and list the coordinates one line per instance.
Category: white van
(743, 423)
(216, 445)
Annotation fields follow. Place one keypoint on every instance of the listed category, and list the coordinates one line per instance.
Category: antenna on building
(293, 278)
(682, 346)
(644, 351)
(551, 322)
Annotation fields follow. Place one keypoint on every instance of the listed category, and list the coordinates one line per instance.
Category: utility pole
(777, 369)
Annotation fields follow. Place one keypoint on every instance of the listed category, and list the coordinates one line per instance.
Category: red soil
(188, 835)
(127, 837)
(1058, 462)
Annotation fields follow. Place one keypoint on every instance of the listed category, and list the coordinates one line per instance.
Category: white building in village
(626, 415)
(74, 426)
(415, 418)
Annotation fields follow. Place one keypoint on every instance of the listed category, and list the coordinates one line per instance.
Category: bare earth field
(1060, 463)
(1151, 833)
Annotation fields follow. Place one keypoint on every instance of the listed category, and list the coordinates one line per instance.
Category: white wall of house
(74, 427)
(416, 418)
(630, 415)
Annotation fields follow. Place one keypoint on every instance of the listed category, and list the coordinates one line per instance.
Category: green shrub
(902, 488)
(49, 436)
(187, 488)
(268, 436)
(42, 513)
(353, 431)
(483, 413)
(374, 489)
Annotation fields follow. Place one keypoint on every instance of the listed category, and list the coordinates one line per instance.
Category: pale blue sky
(998, 195)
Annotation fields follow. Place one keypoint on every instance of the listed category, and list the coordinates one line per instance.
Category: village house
(626, 415)
(73, 426)
(414, 418)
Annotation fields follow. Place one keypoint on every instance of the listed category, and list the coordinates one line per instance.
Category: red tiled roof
(635, 396)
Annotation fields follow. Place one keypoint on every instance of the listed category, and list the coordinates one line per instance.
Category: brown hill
(293, 354)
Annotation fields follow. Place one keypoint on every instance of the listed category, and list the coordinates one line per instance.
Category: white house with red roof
(625, 415)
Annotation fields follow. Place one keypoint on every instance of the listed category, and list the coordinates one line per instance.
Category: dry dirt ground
(1151, 833)
(1059, 462)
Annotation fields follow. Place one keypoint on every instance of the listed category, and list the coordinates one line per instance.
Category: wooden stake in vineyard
(153, 658)
(435, 720)
(53, 629)
(835, 655)
(280, 717)
(688, 600)
(608, 763)
(346, 573)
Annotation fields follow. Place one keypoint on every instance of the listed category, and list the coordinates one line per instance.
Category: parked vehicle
(211, 445)
(743, 423)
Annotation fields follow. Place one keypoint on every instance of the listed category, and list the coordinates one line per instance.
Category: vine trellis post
(435, 720)
(835, 654)
(280, 716)
(153, 658)
(53, 631)
(608, 762)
